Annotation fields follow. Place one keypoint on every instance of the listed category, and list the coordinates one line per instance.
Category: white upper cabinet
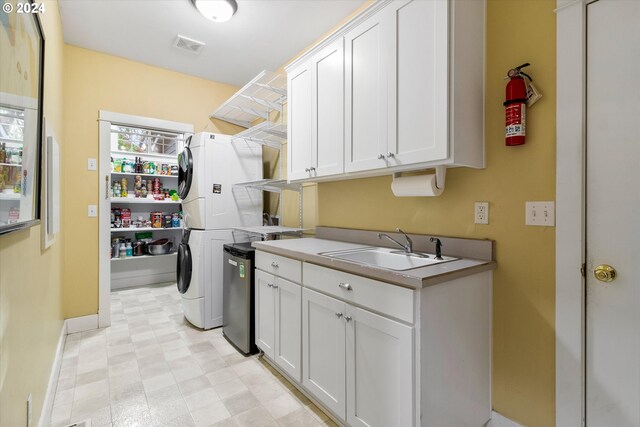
(299, 121)
(366, 61)
(316, 115)
(413, 93)
(327, 105)
(417, 82)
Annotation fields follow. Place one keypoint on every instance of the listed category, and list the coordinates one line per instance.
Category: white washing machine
(200, 274)
(209, 166)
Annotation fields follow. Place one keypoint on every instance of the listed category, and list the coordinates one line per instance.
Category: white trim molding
(82, 324)
(570, 202)
(148, 122)
(498, 420)
(106, 118)
(49, 397)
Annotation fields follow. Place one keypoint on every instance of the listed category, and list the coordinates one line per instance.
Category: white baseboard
(47, 405)
(498, 420)
(81, 324)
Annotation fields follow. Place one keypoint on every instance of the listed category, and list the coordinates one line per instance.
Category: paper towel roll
(412, 186)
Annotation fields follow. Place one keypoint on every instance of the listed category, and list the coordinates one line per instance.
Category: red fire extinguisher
(515, 106)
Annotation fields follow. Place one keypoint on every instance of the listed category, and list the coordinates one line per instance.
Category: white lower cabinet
(277, 328)
(375, 354)
(265, 315)
(380, 371)
(323, 349)
(357, 363)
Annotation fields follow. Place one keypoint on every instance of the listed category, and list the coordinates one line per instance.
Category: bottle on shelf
(123, 250)
(3, 154)
(129, 249)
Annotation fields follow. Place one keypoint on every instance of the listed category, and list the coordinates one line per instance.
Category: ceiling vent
(190, 45)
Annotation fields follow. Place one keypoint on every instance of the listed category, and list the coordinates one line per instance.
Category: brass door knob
(605, 273)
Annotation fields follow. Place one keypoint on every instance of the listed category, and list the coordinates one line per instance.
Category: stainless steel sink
(387, 258)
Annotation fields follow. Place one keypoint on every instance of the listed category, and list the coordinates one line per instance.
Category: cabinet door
(265, 316)
(380, 370)
(323, 349)
(418, 82)
(328, 110)
(367, 53)
(299, 122)
(288, 327)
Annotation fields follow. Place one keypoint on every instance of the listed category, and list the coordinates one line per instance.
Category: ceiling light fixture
(216, 10)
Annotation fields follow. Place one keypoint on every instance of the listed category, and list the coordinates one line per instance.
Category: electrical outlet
(92, 164)
(482, 213)
(29, 410)
(92, 211)
(540, 213)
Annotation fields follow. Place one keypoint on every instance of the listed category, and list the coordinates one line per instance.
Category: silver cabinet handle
(275, 286)
(390, 155)
(311, 169)
(345, 286)
(381, 156)
(274, 264)
(270, 285)
(348, 318)
(338, 315)
(307, 170)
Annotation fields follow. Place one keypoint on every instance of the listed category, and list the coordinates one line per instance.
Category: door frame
(105, 119)
(571, 32)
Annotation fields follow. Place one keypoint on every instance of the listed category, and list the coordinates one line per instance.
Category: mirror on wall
(21, 85)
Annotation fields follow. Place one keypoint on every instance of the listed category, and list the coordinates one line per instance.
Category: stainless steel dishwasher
(238, 296)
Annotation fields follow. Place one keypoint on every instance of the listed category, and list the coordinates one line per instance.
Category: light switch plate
(92, 211)
(482, 212)
(92, 164)
(540, 213)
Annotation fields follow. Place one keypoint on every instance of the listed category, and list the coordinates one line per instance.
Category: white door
(323, 349)
(265, 315)
(299, 122)
(380, 370)
(366, 58)
(327, 155)
(288, 297)
(613, 214)
(418, 81)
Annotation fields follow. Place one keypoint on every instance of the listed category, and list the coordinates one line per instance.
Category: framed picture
(50, 188)
(21, 128)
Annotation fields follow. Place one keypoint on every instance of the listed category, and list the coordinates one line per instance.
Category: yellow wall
(31, 279)
(93, 82)
(524, 287)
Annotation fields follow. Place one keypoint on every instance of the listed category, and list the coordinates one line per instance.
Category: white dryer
(200, 257)
(209, 166)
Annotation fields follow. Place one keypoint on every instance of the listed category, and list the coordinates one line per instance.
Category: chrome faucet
(407, 246)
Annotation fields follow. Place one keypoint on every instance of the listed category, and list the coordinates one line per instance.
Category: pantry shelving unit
(144, 175)
(160, 148)
(146, 257)
(256, 101)
(143, 201)
(139, 229)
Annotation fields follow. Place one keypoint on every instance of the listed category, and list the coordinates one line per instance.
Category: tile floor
(152, 368)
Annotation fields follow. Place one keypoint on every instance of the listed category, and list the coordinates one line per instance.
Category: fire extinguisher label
(515, 120)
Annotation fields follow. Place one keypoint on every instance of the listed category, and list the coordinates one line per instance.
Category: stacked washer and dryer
(209, 166)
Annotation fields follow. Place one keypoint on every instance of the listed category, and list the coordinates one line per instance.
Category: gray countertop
(309, 250)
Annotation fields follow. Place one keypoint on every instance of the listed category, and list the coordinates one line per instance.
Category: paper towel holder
(441, 173)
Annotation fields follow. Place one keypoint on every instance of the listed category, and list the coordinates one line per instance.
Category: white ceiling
(263, 34)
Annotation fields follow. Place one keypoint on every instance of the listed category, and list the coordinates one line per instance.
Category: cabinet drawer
(280, 266)
(382, 297)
